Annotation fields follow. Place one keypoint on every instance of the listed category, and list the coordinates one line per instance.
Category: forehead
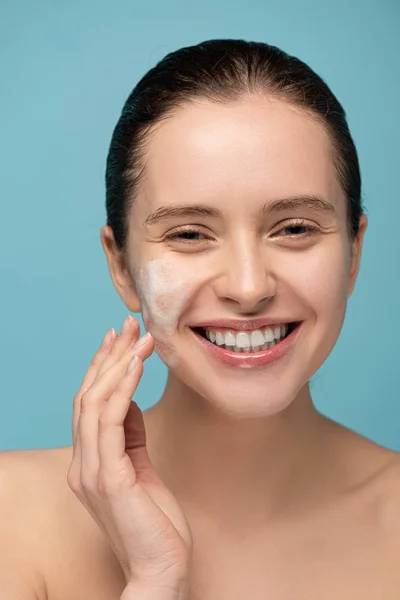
(237, 154)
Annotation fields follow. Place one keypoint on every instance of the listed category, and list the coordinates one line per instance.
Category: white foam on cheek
(164, 288)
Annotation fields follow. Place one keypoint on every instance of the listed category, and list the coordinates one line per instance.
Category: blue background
(66, 70)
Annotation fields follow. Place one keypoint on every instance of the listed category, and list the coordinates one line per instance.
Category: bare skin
(282, 502)
(347, 548)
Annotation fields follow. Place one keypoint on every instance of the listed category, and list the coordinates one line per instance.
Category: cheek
(164, 289)
(318, 282)
(322, 282)
(328, 282)
(320, 277)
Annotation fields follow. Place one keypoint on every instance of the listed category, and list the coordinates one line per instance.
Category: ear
(122, 279)
(356, 253)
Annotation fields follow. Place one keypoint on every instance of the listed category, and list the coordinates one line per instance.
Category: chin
(245, 399)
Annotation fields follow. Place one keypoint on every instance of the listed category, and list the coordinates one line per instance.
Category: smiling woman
(235, 227)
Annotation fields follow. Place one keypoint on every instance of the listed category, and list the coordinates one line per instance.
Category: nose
(246, 280)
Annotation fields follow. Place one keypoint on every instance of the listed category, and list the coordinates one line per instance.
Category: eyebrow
(202, 210)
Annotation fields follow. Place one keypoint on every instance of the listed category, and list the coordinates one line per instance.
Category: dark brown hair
(222, 71)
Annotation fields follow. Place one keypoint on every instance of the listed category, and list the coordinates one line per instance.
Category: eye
(186, 235)
(308, 230)
(191, 236)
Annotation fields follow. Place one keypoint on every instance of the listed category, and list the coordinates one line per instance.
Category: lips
(250, 359)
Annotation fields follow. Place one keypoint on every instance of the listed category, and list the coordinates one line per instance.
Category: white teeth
(220, 339)
(230, 339)
(242, 340)
(257, 338)
(269, 335)
(248, 341)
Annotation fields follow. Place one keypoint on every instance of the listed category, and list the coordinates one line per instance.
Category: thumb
(135, 445)
(135, 432)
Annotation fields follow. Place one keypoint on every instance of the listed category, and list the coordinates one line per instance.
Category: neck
(228, 469)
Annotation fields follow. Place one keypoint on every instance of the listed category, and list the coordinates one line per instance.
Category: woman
(235, 226)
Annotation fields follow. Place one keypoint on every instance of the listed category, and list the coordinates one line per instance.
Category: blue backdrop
(66, 70)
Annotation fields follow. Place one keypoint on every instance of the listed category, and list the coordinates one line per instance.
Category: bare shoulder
(388, 491)
(23, 488)
(33, 477)
(387, 511)
(380, 492)
(14, 463)
(371, 473)
(59, 550)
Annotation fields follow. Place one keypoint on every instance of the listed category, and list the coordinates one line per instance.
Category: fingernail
(132, 363)
(107, 338)
(142, 340)
(126, 324)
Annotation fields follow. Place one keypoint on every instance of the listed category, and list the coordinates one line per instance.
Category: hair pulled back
(221, 70)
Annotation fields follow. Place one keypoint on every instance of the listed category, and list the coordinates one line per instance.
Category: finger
(90, 376)
(92, 405)
(104, 384)
(93, 372)
(130, 333)
(114, 468)
(74, 471)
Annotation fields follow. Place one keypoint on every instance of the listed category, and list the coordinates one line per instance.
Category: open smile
(250, 358)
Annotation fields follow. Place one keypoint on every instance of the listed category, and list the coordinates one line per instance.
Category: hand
(111, 472)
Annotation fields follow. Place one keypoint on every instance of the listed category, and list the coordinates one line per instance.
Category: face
(244, 257)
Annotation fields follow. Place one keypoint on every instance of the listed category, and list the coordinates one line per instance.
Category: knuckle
(104, 421)
(107, 487)
(115, 350)
(86, 400)
(77, 402)
(89, 484)
(93, 364)
(98, 357)
(74, 480)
